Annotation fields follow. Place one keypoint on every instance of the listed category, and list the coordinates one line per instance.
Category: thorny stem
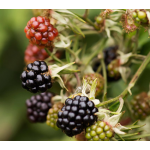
(131, 84)
(53, 56)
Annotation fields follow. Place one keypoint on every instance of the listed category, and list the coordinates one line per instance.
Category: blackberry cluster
(40, 32)
(76, 115)
(52, 115)
(110, 54)
(100, 131)
(38, 106)
(141, 106)
(36, 77)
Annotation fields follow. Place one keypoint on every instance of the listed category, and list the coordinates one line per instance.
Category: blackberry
(38, 106)
(76, 115)
(36, 77)
(100, 131)
(39, 31)
(110, 54)
(90, 77)
(52, 115)
(113, 69)
(33, 53)
(141, 106)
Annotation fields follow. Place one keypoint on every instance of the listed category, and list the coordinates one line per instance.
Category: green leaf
(116, 28)
(68, 71)
(134, 126)
(65, 11)
(75, 28)
(114, 106)
(67, 57)
(136, 137)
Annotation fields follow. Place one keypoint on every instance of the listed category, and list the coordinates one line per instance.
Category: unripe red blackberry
(52, 115)
(33, 53)
(113, 69)
(141, 106)
(39, 31)
(38, 106)
(76, 115)
(100, 131)
(90, 77)
(36, 77)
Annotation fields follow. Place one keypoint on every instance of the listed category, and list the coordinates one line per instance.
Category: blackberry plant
(86, 109)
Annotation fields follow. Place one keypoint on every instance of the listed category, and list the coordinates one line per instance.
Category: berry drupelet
(141, 106)
(36, 77)
(38, 106)
(40, 32)
(76, 115)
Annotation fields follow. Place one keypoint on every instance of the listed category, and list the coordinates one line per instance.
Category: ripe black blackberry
(38, 106)
(76, 115)
(110, 54)
(36, 77)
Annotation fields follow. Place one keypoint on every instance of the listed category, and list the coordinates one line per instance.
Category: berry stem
(53, 56)
(131, 84)
(105, 79)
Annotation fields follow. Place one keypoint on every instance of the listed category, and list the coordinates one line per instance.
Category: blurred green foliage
(13, 122)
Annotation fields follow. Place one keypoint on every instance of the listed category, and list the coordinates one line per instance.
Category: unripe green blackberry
(90, 77)
(52, 115)
(113, 69)
(100, 131)
(141, 106)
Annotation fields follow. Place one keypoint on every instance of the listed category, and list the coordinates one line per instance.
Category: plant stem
(71, 52)
(105, 78)
(78, 79)
(136, 41)
(131, 84)
(53, 56)
(86, 13)
(89, 22)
